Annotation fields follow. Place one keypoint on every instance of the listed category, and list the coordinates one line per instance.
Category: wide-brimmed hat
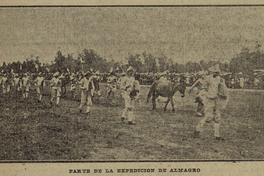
(87, 73)
(163, 73)
(111, 70)
(123, 74)
(214, 68)
(97, 72)
(61, 77)
(56, 74)
(130, 69)
(200, 73)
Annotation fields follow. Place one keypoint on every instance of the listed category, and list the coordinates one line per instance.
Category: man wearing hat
(202, 87)
(25, 85)
(87, 88)
(55, 84)
(112, 81)
(131, 92)
(188, 79)
(73, 82)
(121, 82)
(17, 81)
(39, 85)
(4, 83)
(96, 78)
(164, 76)
(215, 99)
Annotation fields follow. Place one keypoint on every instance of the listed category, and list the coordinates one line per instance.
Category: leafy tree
(150, 64)
(135, 62)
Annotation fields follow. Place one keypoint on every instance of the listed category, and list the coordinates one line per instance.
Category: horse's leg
(172, 104)
(154, 102)
(168, 100)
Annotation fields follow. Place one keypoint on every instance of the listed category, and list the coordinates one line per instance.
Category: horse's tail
(151, 91)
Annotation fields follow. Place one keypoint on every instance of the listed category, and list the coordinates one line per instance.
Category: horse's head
(182, 88)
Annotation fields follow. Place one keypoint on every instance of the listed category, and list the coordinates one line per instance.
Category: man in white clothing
(55, 84)
(39, 86)
(130, 89)
(87, 88)
(214, 100)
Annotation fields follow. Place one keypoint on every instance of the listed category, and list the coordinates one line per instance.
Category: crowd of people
(233, 80)
(211, 97)
(23, 84)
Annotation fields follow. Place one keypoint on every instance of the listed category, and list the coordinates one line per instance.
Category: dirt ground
(38, 131)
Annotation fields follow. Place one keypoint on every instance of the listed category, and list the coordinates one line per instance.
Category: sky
(181, 33)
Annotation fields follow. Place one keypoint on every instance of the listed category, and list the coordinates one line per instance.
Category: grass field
(37, 131)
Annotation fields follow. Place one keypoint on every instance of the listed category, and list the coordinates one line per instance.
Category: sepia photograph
(131, 83)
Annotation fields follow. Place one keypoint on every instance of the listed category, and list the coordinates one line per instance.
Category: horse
(165, 89)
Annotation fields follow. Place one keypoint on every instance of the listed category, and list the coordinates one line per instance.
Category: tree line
(244, 62)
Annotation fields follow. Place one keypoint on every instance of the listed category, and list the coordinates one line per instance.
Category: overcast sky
(181, 33)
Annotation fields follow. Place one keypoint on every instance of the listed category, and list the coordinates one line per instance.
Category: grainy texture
(61, 133)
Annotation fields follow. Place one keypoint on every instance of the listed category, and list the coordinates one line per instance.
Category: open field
(37, 131)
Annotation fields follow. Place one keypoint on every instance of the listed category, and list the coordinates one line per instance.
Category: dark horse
(165, 89)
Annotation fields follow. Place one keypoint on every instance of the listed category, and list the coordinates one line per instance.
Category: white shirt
(54, 82)
(128, 83)
(85, 83)
(163, 78)
(26, 81)
(39, 80)
(213, 86)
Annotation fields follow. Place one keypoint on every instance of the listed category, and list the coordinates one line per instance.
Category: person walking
(39, 86)
(87, 88)
(55, 89)
(25, 85)
(130, 89)
(215, 100)
(202, 87)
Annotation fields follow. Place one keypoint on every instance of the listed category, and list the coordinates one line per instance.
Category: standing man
(214, 100)
(25, 85)
(112, 81)
(39, 86)
(73, 82)
(96, 83)
(87, 88)
(121, 82)
(131, 92)
(242, 82)
(10, 82)
(4, 83)
(202, 87)
(164, 76)
(17, 83)
(55, 84)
